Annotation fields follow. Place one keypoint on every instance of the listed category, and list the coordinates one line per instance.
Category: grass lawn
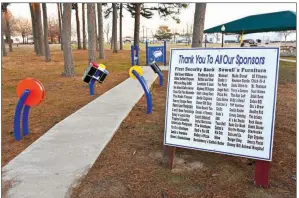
(132, 165)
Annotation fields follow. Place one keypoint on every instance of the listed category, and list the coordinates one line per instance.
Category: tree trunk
(8, 37)
(61, 11)
(4, 53)
(83, 22)
(100, 30)
(114, 28)
(111, 39)
(120, 27)
(46, 41)
(60, 28)
(39, 29)
(67, 35)
(137, 24)
(32, 10)
(96, 25)
(198, 26)
(91, 32)
(78, 28)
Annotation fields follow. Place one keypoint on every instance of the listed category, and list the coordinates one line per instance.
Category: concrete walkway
(54, 162)
(287, 60)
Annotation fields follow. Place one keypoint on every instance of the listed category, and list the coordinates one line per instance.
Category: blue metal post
(146, 91)
(17, 118)
(92, 82)
(146, 52)
(132, 55)
(25, 120)
(160, 78)
(164, 53)
(91, 86)
(137, 54)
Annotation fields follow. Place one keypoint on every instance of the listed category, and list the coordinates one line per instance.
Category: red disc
(37, 91)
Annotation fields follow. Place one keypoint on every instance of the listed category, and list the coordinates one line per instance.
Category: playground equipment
(136, 72)
(93, 73)
(158, 71)
(135, 55)
(31, 92)
(155, 53)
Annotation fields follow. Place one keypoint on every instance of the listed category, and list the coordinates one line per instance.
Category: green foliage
(163, 9)
(163, 33)
(108, 9)
(74, 6)
(144, 11)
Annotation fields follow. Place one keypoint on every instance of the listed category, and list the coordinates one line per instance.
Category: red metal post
(169, 153)
(262, 169)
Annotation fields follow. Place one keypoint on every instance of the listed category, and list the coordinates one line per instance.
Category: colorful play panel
(155, 53)
(94, 73)
(31, 92)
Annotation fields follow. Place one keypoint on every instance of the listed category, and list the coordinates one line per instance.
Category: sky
(216, 13)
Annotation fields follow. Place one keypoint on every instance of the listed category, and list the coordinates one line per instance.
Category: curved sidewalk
(54, 162)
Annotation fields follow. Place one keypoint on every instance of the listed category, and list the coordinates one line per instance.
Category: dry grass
(64, 95)
(132, 166)
(6, 185)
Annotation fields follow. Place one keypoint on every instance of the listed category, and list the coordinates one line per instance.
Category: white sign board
(222, 100)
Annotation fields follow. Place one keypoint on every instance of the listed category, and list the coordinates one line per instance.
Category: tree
(83, 21)
(285, 34)
(120, 26)
(32, 11)
(188, 32)
(75, 7)
(107, 30)
(8, 31)
(164, 10)
(39, 29)
(59, 22)
(137, 24)
(46, 40)
(54, 30)
(163, 33)
(114, 28)
(96, 27)
(66, 35)
(198, 27)
(23, 28)
(107, 12)
(4, 53)
(91, 32)
(175, 33)
(100, 30)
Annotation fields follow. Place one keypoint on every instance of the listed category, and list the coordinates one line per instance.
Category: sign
(155, 53)
(222, 100)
